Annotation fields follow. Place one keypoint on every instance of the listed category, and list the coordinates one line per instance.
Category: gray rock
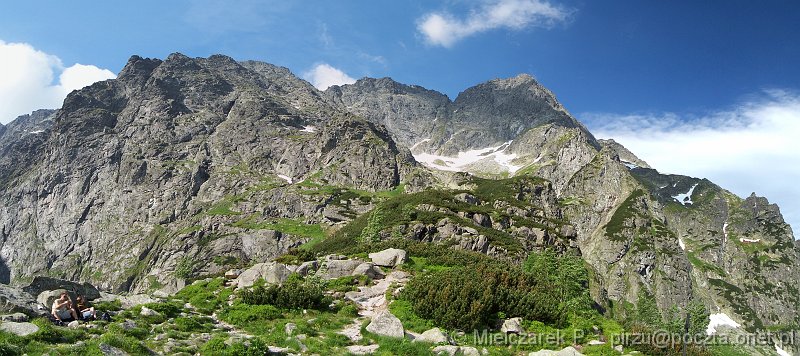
(452, 350)
(307, 268)
(128, 324)
(434, 336)
(385, 323)
(339, 268)
(469, 351)
(41, 284)
(289, 328)
(512, 326)
(368, 269)
(567, 351)
(16, 317)
(233, 273)
(148, 312)
(362, 349)
(449, 350)
(130, 301)
(74, 324)
(19, 329)
(47, 298)
(390, 257)
(109, 350)
(271, 272)
(13, 300)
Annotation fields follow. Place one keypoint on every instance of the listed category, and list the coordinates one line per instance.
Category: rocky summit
(213, 206)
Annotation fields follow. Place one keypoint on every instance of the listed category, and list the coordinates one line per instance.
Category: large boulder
(109, 350)
(339, 268)
(434, 336)
(15, 300)
(385, 323)
(368, 269)
(19, 329)
(16, 317)
(271, 272)
(307, 268)
(512, 326)
(41, 284)
(389, 257)
(47, 297)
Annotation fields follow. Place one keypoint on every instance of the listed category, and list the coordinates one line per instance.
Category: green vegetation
(703, 265)
(622, 215)
(408, 209)
(288, 226)
(295, 293)
(549, 289)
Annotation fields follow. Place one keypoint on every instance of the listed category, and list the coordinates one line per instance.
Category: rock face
(729, 253)
(189, 166)
(139, 181)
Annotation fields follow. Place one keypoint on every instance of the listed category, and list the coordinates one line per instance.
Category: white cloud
(324, 75)
(28, 80)
(750, 148)
(445, 30)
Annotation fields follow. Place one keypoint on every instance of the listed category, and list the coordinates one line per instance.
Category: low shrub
(126, 343)
(295, 293)
(241, 314)
(549, 288)
(193, 324)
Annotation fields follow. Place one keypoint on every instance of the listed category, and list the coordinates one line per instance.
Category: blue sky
(661, 76)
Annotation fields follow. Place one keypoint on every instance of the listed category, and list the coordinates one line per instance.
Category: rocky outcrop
(144, 179)
(15, 300)
(391, 257)
(271, 272)
(192, 166)
(41, 284)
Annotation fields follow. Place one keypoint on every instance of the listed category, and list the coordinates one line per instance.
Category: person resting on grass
(87, 311)
(63, 310)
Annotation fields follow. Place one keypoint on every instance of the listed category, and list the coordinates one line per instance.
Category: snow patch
(461, 162)
(781, 351)
(686, 198)
(286, 178)
(680, 243)
(717, 320)
(725, 230)
(749, 241)
(629, 164)
(311, 129)
(419, 143)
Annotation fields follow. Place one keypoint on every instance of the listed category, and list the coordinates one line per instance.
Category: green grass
(288, 226)
(703, 265)
(403, 310)
(624, 212)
